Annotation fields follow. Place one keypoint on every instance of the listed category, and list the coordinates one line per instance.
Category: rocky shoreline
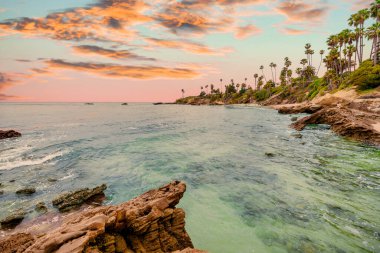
(148, 223)
(357, 118)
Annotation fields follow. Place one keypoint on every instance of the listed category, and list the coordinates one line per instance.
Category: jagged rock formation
(9, 134)
(149, 223)
(70, 200)
(299, 108)
(355, 124)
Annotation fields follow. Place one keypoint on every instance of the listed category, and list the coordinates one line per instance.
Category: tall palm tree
(321, 52)
(255, 76)
(271, 69)
(350, 51)
(373, 33)
(262, 70)
(307, 52)
(358, 19)
(275, 72)
(221, 85)
(183, 93)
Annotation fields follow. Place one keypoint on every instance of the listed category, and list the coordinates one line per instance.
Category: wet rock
(52, 180)
(12, 220)
(26, 191)
(41, 207)
(9, 134)
(124, 104)
(297, 135)
(268, 154)
(12, 181)
(355, 124)
(294, 119)
(149, 223)
(1, 192)
(299, 108)
(70, 200)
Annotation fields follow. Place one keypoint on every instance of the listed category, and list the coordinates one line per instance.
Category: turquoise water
(320, 193)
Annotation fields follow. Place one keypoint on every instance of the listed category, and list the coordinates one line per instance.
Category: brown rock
(26, 191)
(299, 108)
(12, 220)
(9, 134)
(149, 223)
(355, 124)
(70, 200)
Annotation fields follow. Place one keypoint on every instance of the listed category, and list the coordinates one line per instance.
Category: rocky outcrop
(71, 200)
(9, 134)
(149, 223)
(358, 125)
(12, 220)
(26, 191)
(298, 108)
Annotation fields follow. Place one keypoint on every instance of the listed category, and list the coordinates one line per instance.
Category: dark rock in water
(26, 191)
(41, 207)
(124, 104)
(13, 220)
(297, 135)
(12, 181)
(89, 103)
(149, 223)
(268, 154)
(159, 103)
(9, 134)
(294, 119)
(52, 180)
(1, 192)
(70, 200)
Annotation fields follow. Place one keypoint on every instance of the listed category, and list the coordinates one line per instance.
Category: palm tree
(358, 19)
(221, 85)
(275, 72)
(183, 93)
(350, 51)
(206, 87)
(321, 52)
(262, 70)
(255, 76)
(271, 69)
(307, 52)
(373, 33)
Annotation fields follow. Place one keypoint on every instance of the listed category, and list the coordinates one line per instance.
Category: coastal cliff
(148, 223)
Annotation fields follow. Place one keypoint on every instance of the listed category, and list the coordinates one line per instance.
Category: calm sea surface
(320, 193)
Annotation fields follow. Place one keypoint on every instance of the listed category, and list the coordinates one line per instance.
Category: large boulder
(70, 200)
(9, 134)
(149, 223)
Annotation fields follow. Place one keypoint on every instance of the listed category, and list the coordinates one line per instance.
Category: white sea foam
(11, 162)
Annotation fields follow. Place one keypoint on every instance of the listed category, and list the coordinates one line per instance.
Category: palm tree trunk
(320, 64)
(375, 57)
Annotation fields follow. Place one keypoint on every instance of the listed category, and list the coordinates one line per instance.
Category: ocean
(318, 193)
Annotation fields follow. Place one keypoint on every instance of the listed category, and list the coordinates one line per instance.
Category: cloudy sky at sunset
(140, 51)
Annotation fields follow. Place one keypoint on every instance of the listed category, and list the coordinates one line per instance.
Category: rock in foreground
(149, 223)
(9, 134)
(70, 200)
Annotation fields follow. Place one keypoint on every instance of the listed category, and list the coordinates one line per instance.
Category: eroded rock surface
(70, 200)
(9, 134)
(149, 223)
(355, 124)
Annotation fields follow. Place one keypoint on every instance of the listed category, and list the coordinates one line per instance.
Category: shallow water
(320, 193)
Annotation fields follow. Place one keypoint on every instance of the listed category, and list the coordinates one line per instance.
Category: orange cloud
(116, 54)
(114, 70)
(299, 11)
(188, 46)
(243, 32)
(293, 31)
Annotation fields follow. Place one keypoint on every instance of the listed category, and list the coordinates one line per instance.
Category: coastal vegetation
(345, 62)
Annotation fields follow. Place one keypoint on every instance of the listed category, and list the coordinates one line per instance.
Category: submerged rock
(12, 220)
(9, 134)
(1, 192)
(268, 154)
(41, 207)
(294, 119)
(297, 135)
(149, 223)
(26, 191)
(124, 104)
(70, 200)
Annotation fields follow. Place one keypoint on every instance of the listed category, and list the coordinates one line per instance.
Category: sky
(149, 50)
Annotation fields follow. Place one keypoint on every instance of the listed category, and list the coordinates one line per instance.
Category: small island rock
(26, 191)
(9, 134)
